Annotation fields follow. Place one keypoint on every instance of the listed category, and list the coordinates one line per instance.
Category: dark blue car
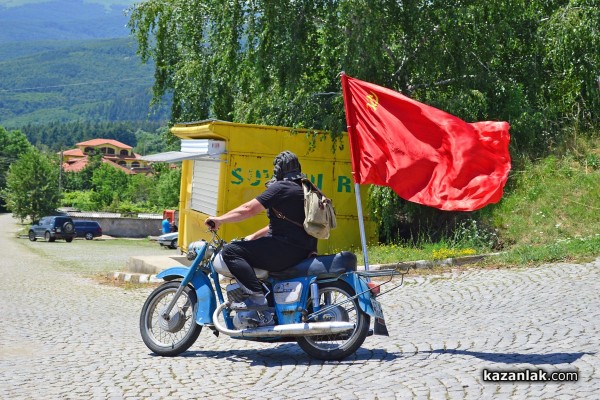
(88, 229)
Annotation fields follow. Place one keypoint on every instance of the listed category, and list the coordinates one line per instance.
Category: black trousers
(266, 253)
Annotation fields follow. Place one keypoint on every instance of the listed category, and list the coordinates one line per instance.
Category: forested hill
(76, 80)
(70, 60)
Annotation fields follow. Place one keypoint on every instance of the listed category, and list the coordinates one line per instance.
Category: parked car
(53, 227)
(169, 240)
(88, 229)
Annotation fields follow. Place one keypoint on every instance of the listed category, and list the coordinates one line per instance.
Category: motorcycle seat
(326, 266)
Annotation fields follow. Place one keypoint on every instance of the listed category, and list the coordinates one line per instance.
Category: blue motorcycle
(323, 303)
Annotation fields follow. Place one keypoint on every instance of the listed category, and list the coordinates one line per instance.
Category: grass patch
(570, 250)
(386, 254)
(550, 212)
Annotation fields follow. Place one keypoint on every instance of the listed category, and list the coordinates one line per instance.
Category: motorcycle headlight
(194, 248)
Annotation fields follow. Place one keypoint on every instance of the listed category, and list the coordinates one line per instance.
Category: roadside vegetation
(534, 64)
(550, 212)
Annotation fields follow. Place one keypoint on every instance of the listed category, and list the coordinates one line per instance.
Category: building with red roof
(114, 153)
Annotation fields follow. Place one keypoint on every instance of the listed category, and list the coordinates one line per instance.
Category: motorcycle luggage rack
(367, 274)
(380, 272)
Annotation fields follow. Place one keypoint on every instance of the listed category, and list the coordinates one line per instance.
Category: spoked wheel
(174, 334)
(337, 346)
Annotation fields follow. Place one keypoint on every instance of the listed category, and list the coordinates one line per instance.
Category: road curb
(429, 264)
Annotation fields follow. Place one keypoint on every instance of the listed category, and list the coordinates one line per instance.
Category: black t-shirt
(288, 198)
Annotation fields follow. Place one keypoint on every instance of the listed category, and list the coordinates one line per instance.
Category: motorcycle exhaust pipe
(299, 329)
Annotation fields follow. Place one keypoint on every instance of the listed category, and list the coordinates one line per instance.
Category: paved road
(63, 335)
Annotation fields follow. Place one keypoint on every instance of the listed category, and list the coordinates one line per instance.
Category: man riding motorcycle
(277, 246)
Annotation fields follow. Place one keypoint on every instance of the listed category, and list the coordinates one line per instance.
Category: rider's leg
(265, 253)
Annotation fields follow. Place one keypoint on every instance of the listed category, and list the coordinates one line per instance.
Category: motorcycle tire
(337, 346)
(169, 337)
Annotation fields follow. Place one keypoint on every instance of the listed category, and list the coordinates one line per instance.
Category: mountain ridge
(63, 20)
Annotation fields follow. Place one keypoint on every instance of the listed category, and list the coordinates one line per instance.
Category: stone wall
(116, 225)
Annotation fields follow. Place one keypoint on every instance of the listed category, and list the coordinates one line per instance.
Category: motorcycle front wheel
(333, 295)
(173, 334)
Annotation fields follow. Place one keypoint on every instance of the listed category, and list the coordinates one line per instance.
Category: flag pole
(361, 225)
(349, 128)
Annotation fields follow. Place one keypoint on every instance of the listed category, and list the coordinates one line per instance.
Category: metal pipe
(361, 225)
(314, 292)
(299, 329)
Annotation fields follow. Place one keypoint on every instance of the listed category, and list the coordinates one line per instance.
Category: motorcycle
(323, 303)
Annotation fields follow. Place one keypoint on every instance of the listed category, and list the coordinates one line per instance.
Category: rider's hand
(212, 223)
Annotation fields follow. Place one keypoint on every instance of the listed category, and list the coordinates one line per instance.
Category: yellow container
(243, 163)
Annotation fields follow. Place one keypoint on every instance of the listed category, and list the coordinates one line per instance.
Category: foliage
(158, 141)
(168, 188)
(32, 185)
(277, 62)
(551, 199)
(12, 145)
(98, 80)
(57, 136)
(108, 185)
(80, 199)
(532, 63)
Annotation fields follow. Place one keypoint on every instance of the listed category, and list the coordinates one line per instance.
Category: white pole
(361, 226)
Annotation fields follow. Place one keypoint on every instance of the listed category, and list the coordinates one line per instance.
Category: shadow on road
(516, 358)
(288, 354)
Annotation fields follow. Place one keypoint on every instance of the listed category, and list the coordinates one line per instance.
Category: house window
(124, 153)
(89, 150)
(110, 150)
(135, 164)
(122, 163)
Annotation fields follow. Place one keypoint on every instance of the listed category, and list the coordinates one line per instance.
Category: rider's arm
(245, 211)
(258, 234)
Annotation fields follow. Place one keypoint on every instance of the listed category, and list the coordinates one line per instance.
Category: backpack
(319, 215)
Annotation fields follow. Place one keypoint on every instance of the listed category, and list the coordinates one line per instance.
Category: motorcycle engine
(252, 319)
(247, 319)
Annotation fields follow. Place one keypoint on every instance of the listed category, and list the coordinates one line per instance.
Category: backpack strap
(280, 215)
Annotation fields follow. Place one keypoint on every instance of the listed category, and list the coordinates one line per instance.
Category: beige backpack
(319, 215)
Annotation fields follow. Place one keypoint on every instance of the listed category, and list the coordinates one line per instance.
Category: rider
(277, 246)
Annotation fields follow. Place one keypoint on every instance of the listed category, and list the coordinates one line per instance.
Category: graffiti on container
(258, 177)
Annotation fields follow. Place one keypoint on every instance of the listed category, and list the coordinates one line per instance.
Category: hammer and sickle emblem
(372, 101)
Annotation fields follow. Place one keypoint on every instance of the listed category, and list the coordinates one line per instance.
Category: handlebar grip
(211, 223)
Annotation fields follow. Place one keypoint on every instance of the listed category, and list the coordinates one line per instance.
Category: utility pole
(60, 171)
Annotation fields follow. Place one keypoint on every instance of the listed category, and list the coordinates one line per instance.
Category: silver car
(169, 240)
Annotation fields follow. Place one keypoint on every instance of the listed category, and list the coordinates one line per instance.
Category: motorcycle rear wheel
(337, 346)
(173, 335)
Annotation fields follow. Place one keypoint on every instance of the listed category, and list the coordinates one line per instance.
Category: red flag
(425, 155)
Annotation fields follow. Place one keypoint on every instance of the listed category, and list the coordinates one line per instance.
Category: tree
(277, 62)
(12, 145)
(109, 185)
(32, 185)
(168, 188)
(533, 63)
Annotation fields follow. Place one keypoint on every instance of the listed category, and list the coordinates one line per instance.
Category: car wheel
(69, 239)
(32, 236)
(89, 236)
(47, 237)
(68, 227)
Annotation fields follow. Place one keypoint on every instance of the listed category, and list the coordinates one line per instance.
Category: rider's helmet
(286, 167)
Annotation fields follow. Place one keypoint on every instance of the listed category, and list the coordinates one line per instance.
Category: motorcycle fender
(207, 302)
(360, 286)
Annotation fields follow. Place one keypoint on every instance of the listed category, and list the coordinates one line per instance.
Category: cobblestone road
(65, 336)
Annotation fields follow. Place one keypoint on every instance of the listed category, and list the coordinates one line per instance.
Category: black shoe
(255, 302)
